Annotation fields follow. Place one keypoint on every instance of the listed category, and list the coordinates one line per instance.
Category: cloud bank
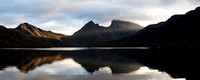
(67, 16)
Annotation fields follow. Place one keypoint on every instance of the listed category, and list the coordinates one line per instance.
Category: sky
(68, 16)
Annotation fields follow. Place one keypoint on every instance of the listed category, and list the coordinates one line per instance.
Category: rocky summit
(92, 33)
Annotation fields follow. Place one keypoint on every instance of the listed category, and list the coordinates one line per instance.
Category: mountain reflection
(74, 65)
(26, 61)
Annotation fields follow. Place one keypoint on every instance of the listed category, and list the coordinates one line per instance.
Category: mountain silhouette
(14, 38)
(37, 32)
(179, 30)
(27, 35)
(92, 33)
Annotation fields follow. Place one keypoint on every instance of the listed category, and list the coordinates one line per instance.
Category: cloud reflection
(68, 69)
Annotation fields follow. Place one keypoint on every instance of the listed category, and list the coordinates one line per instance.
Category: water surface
(74, 64)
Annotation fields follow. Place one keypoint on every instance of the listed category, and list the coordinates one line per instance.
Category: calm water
(103, 63)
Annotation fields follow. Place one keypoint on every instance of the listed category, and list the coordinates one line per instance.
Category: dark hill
(37, 32)
(176, 43)
(15, 38)
(93, 33)
(27, 35)
(179, 30)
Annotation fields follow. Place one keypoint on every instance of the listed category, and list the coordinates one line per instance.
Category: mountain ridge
(92, 33)
(28, 35)
(177, 30)
(37, 32)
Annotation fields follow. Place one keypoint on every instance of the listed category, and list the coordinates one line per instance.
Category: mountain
(179, 30)
(27, 35)
(92, 33)
(14, 38)
(48, 37)
(37, 32)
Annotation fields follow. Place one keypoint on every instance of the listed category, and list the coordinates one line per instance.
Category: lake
(96, 63)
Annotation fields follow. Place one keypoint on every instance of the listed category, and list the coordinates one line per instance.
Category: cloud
(68, 69)
(75, 13)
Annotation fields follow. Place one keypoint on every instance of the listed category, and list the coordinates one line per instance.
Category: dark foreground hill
(179, 30)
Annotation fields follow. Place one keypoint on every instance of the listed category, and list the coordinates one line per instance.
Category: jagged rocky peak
(28, 28)
(25, 26)
(90, 24)
(88, 27)
(22, 25)
(115, 21)
(124, 24)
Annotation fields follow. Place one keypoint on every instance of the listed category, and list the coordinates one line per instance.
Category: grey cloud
(77, 12)
(194, 1)
(103, 12)
(168, 2)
